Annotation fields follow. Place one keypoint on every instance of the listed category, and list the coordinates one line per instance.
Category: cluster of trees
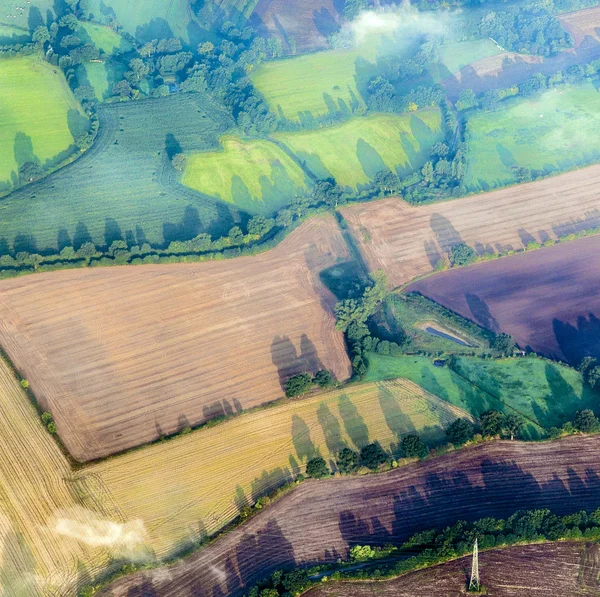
(351, 318)
(530, 29)
(585, 421)
(304, 382)
(590, 370)
(348, 461)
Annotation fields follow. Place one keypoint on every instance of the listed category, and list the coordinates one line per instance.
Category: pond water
(441, 334)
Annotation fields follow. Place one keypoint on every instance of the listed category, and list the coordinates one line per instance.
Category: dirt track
(122, 355)
(406, 241)
(320, 519)
(548, 570)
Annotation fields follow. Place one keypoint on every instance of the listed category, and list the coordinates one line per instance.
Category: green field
(124, 186)
(455, 56)
(546, 394)
(257, 176)
(26, 15)
(151, 19)
(104, 38)
(353, 152)
(12, 35)
(305, 87)
(101, 76)
(40, 116)
(555, 131)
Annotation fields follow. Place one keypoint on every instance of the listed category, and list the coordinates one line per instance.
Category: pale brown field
(493, 65)
(407, 241)
(123, 355)
(582, 23)
(548, 570)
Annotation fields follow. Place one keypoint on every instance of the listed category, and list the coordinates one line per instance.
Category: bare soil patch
(321, 519)
(582, 23)
(123, 355)
(548, 569)
(309, 22)
(407, 241)
(548, 300)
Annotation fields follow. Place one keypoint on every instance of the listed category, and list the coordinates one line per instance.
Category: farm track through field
(321, 519)
(407, 241)
(546, 570)
(121, 356)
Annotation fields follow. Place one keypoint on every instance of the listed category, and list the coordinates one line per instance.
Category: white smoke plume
(97, 532)
(397, 22)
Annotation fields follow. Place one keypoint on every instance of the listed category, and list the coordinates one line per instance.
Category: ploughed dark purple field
(547, 299)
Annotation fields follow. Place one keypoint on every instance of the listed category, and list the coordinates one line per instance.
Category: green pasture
(256, 176)
(147, 20)
(12, 35)
(124, 186)
(455, 56)
(26, 15)
(353, 152)
(545, 394)
(39, 116)
(555, 131)
(104, 38)
(304, 87)
(101, 76)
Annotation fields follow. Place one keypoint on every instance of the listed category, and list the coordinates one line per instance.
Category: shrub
(504, 344)
(323, 378)
(46, 418)
(585, 421)
(462, 254)
(24, 383)
(51, 427)
(360, 553)
(298, 384)
(414, 447)
(372, 456)
(460, 432)
(492, 423)
(317, 468)
(347, 461)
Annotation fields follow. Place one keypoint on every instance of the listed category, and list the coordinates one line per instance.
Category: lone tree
(317, 468)
(323, 378)
(347, 461)
(462, 254)
(585, 421)
(504, 344)
(298, 385)
(414, 447)
(460, 432)
(492, 423)
(372, 456)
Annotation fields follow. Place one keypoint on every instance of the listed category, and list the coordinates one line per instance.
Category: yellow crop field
(59, 528)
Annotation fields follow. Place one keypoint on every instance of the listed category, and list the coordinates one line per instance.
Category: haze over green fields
(557, 130)
(353, 152)
(256, 176)
(40, 116)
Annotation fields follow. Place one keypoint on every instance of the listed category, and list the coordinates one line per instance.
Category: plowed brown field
(320, 519)
(123, 355)
(548, 300)
(406, 241)
(582, 23)
(308, 22)
(548, 570)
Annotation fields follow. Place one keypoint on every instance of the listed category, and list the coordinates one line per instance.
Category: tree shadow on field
(23, 150)
(579, 340)
(82, 235)
(303, 444)
(145, 589)
(325, 22)
(25, 243)
(398, 423)
(354, 424)
(526, 237)
(446, 235)
(287, 360)
(332, 430)
(269, 481)
(63, 239)
(112, 231)
(189, 227)
(481, 312)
